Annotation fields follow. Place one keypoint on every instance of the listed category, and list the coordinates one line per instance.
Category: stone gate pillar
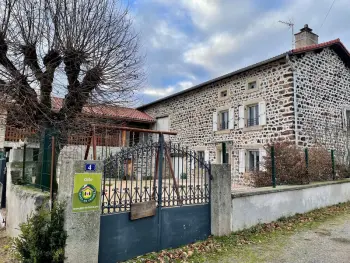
(82, 224)
(221, 201)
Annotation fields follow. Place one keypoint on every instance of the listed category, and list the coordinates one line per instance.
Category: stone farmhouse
(301, 96)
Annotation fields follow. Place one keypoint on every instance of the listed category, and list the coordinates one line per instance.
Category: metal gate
(155, 196)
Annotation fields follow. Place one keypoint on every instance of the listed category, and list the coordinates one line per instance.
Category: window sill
(253, 128)
(222, 132)
(251, 90)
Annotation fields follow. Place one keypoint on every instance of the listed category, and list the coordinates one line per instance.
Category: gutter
(295, 74)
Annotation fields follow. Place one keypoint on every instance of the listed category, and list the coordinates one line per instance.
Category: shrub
(320, 164)
(147, 177)
(261, 179)
(183, 176)
(289, 164)
(42, 237)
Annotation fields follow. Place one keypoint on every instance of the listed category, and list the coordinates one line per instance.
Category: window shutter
(206, 156)
(241, 160)
(262, 113)
(215, 121)
(345, 121)
(231, 119)
(241, 117)
(262, 155)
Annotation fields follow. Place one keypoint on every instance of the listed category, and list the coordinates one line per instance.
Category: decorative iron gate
(156, 195)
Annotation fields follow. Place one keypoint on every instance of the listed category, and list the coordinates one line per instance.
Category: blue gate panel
(122, 239)
(184, 225)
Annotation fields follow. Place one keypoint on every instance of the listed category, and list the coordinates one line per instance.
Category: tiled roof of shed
(107, 111)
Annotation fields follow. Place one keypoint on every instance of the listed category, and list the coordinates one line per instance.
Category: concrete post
(83, 228)
(221, 201)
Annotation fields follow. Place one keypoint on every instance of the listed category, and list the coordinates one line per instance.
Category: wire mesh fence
(287, 164)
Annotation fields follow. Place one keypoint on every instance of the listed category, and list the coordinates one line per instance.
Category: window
(223, 116)
(220, 158)
(223, 94)
(347, 115)
(253, 160)
(252, 85)
(200, 156)
(253, 115)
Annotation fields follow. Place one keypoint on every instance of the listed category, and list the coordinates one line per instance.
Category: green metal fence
(289, 165)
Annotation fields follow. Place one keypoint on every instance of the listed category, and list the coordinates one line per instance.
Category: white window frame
(256, 118)
(243, 114)
(219, 153)
(243, 158)
(248, 163)
(220, 120)
(346, 124)
(217, 118)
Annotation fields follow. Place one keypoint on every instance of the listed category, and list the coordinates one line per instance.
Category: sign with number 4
(90, 167)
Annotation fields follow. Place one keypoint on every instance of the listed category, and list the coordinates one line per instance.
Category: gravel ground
(327, 243)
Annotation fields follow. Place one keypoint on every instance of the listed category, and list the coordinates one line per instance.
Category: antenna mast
(290, 25)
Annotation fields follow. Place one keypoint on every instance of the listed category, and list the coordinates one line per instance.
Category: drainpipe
(295, 74)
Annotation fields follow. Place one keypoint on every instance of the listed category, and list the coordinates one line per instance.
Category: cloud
(190, 41)
(209, 52)
(161, 92)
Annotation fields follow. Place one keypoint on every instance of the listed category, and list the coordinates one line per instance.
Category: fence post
(24, 162)
(333, 164)
(160, 189)
(273, 166)
(307, 162)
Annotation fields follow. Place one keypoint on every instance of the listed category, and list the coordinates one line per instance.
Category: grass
(240, 245)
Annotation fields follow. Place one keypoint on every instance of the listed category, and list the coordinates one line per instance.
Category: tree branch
(31, 59)
(77, 98)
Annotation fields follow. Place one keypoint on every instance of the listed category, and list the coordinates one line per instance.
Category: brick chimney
(305, 37)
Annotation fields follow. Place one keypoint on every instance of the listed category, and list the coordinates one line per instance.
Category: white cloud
(203, 12)
(192, 41)
(162, 92)
(207, 53)
(159, 92)
(166, 36)
(185, 84)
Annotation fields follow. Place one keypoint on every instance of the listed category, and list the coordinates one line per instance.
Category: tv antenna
(290, 25)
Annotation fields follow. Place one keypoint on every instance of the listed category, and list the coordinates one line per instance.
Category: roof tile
(109, 111)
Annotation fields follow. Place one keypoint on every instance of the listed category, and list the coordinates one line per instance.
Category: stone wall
(21, 202)
(191, 114)
(323, 92)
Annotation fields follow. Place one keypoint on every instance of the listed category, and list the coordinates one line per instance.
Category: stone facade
(191, 114)
(323, 97)
(322, 93)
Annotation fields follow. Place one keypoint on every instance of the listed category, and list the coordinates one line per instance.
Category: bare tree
(84, 50)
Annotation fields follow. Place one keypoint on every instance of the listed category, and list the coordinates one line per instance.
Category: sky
(187, 42)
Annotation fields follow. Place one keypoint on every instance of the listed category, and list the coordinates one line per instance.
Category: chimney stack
(305, 37)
